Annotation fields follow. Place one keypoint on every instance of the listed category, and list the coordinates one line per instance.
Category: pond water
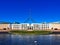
(11, 39)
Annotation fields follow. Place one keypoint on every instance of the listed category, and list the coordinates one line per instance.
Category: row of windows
(34, 26)
(26, 25)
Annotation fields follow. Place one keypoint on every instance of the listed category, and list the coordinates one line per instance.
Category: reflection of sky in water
(8, 39)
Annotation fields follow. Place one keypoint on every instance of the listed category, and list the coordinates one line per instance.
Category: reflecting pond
(11, 39)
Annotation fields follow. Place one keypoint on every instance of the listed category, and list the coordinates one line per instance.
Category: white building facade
(54, 26)
(33, 26)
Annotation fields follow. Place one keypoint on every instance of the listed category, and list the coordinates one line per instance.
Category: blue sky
(19, 10)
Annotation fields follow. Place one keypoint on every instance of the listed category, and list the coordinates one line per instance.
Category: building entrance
(30, 28)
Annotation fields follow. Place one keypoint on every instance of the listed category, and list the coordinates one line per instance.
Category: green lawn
(29, 32)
